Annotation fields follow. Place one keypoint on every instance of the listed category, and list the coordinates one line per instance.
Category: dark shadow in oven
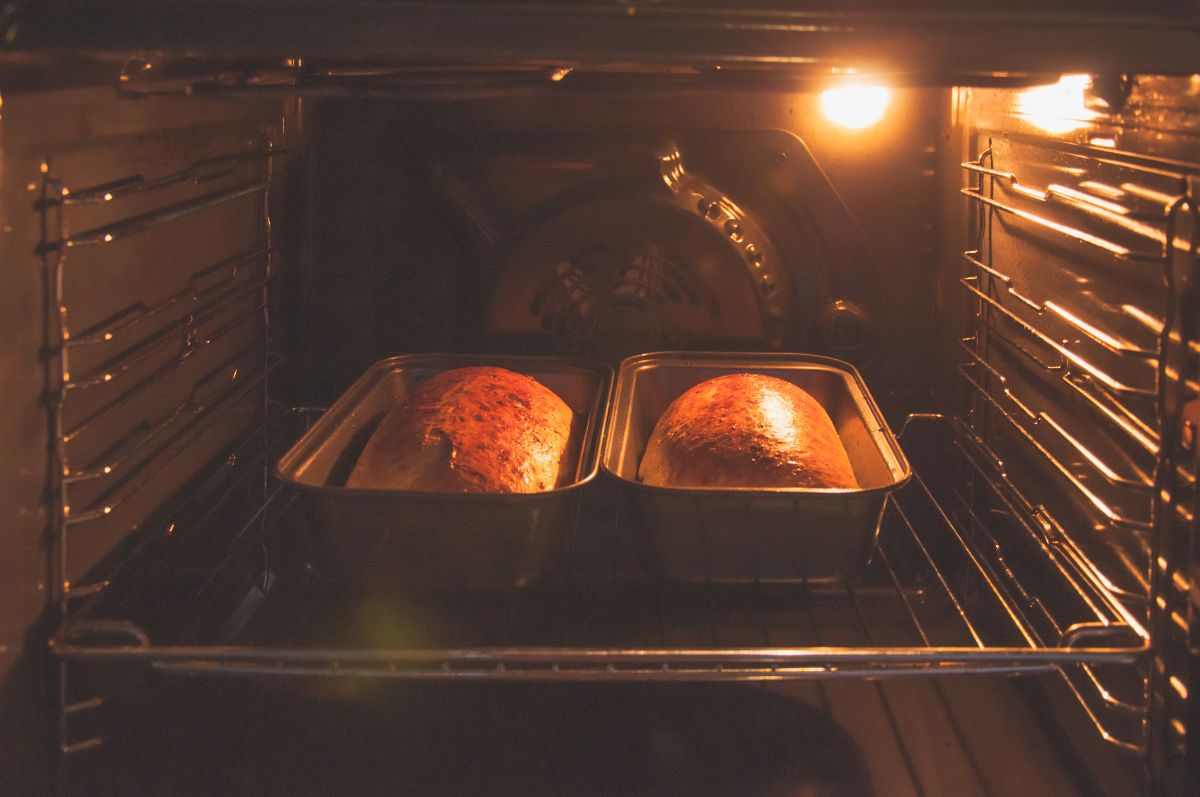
(362, 737)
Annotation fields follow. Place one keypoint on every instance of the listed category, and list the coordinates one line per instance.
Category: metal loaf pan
(743, 535)
(421, 540)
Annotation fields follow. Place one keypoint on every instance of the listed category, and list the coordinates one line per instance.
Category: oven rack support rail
(1142, 415)
(219, 303)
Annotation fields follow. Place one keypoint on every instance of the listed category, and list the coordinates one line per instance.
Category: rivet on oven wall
(733, 230)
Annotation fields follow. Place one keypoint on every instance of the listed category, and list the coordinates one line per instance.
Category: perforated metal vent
(617, 273)
(564, 301)
(590, 291)
(655, 279)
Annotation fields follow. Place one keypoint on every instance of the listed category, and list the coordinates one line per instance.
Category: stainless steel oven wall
(136, 271)
(1077, 200)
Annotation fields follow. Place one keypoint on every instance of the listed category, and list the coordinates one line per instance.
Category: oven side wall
(26, 619)
(1115, 171)
(84, 136)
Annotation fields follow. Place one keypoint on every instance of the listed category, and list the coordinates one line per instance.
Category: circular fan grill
(613, 275)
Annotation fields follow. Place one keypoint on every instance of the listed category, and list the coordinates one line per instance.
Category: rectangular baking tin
(743, 534)
(424, 540)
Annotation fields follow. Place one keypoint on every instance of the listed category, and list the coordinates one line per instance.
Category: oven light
(1058, 108)
(855, 106)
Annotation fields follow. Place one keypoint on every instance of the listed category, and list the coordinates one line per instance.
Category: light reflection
(778, 415)
(855, 106)
(1058, 108)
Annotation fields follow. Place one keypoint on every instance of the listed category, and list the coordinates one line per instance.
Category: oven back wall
(420, 204)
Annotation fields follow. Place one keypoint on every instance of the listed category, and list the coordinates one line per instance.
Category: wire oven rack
(937, 597)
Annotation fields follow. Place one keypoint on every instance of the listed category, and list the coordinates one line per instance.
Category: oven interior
(199, 267)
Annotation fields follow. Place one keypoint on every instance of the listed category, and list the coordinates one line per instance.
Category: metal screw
(844, 327)
(754, 256)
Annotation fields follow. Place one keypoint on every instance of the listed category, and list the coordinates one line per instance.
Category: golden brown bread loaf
(470, 430)
(746, 430)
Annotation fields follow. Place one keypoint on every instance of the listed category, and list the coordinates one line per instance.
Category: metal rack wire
(150, 75)
(1000, 326)
(132, 355)
(1022, 371)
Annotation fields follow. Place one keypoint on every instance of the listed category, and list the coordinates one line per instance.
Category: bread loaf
(746, 430)
(470, 430)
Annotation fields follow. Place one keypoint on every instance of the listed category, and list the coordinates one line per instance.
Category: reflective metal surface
(939, 38)
(746, 535)
(395, 538)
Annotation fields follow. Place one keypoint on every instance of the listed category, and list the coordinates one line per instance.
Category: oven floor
(373, 737)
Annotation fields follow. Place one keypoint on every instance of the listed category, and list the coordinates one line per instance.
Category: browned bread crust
(470, 430)
(746, 430)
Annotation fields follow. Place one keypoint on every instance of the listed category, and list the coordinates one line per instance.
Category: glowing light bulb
(855, 106)
(1058, 108)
